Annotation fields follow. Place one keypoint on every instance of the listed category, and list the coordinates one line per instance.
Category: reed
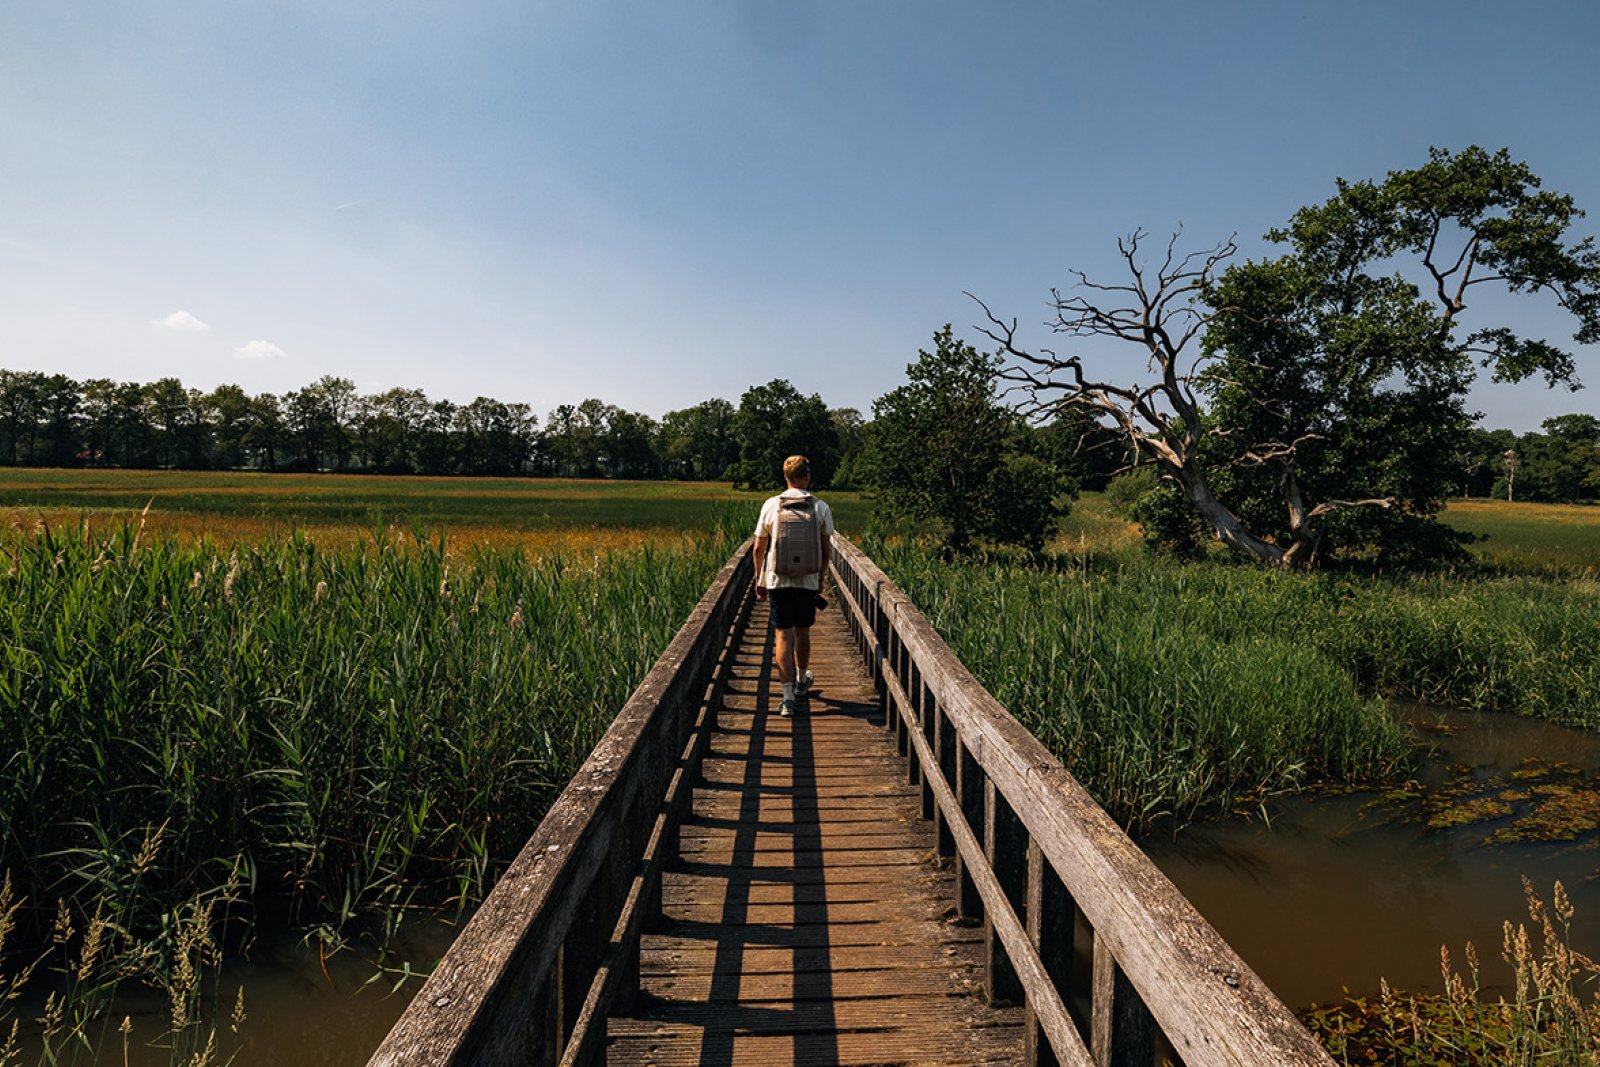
(1150, 682)
(1168, 688)
(342, 733)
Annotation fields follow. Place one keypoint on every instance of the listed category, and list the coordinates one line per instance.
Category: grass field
(540, 514)
(1538, 538)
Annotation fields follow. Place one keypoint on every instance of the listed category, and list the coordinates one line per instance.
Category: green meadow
(535, 513)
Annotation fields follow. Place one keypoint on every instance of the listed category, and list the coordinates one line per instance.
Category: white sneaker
(786, 709)
(802, 684)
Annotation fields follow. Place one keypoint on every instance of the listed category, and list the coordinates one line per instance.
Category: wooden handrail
(531, 977)
(1034, 851)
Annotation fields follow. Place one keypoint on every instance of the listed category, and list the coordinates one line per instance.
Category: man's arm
(761, 567)
(827, 542)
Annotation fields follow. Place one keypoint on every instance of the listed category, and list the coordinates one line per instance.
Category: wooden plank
(691, 1047)
(704, 958)
(919, 907)
(686, 935)
(873, 874)
(759, 988)
(729, 853)
(716, 892)
(933, 1014)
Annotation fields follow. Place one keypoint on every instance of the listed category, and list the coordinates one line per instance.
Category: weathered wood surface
(1157, 964)
(808, 921)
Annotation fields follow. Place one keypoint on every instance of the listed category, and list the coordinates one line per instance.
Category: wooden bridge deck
(807, 921)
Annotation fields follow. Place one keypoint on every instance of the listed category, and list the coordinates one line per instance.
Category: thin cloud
(259, 350)
(181, 321)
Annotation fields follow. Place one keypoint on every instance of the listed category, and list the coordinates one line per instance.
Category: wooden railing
(555, 946)
(1114, 966)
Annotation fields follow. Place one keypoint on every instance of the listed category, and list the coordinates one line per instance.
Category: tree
(1326, 406)
(698, 442)
(174, 420)
(228, 410)
(939, 452)
(854, 433)
(629, 445)
(775, 421)
(59, 421)
(1559, 466)
(19, 415)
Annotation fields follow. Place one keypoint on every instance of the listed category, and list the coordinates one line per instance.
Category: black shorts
(793, 607)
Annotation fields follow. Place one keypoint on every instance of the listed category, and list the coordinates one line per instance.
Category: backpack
(796, 538)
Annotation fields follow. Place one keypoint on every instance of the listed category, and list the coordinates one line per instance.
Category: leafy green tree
(59, 423)
(1559, 466)
(1326, 409)
(227, 409)
(267, 436)
(175, 421)
(19, 415)
(629, 445)
(1480, 458)
(939, 452)
(775, 421)
(435, 442)
(697, 442)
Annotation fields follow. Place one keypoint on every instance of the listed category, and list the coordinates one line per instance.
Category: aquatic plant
(1552, 1017)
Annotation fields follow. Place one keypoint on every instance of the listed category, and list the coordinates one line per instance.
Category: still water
(1335, 892)
(301, 1010)
(1341, 891)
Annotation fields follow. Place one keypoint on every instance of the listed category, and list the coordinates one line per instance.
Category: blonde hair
(795, 468)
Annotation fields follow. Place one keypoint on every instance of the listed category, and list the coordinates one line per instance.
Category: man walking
(792, 545)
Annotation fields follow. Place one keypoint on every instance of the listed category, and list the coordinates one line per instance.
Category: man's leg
(785, 654)
(802, 651)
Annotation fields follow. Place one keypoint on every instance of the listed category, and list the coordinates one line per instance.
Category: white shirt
(766, 526)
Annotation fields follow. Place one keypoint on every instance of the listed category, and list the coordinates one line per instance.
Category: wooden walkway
(807, 921)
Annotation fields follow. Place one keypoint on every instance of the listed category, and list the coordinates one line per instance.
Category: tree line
(52, 420)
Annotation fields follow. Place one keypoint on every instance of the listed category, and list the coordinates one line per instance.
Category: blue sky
(659, 203)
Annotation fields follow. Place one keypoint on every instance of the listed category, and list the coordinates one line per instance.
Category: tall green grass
(343, 732)
(1158, 693)
(1169, 688)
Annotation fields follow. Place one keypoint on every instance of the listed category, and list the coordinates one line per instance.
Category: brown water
(1341, 891)
(301, 1010)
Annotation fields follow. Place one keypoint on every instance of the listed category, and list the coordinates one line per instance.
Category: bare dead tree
(1161, 419)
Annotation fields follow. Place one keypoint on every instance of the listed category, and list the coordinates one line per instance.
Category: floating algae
(1540, 800)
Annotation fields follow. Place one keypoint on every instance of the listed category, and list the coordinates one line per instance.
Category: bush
(1026, 503)
(1169, 523)
(1123, 491)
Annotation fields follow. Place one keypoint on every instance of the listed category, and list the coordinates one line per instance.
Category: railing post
(882, 632)
(1005, 843)
(945, 748)
(1051, 923)
(545, 1013)
(969, 790)
(926, 721)
(1122, 1033)
(909, 718)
